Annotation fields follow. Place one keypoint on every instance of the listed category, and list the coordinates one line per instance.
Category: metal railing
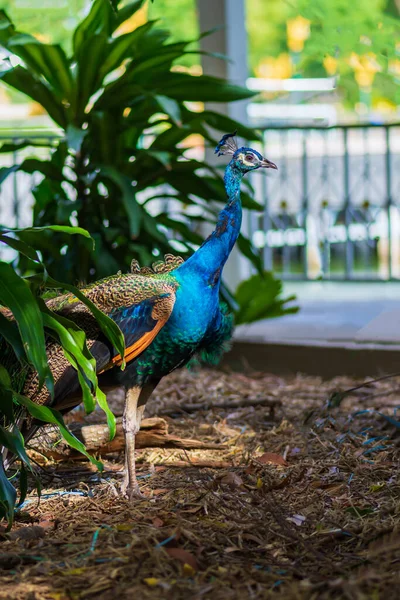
(331, 211)
(16, 197)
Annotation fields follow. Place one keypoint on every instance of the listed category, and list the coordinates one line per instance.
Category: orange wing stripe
(137, 348)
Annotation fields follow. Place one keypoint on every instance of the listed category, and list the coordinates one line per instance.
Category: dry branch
(153, 434)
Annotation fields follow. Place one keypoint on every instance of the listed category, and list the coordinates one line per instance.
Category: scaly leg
(135, 402)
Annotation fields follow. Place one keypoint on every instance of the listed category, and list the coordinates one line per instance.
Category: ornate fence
(332, 210)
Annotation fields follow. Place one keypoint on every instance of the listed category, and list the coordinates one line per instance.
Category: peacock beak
(268, 164)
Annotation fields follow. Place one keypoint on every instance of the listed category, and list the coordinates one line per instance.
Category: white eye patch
(246, 160)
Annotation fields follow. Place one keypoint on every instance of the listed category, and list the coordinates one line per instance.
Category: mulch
(301, 501)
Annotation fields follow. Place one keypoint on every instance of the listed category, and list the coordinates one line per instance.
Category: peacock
(168, 314)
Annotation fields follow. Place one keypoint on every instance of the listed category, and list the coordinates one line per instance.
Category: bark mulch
(301, 501)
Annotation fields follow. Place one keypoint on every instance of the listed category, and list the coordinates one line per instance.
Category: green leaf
(126, 12)
(6, 171)
(182, 86)
(121, 47)
(224, 123)
(10, 332)
(5, 380)
(75, 137)
(99, 20)
(25, 143)
(133, 209)
(171, 108)
(73, 342)
(46, 167)
(22, 80)
(20, 247)
(7, 29)
(48, 415)
(70, 230)
(15, 293)
(90, 60)
(180, 227)
(246, 248)
(259, 297)
(8, 495)
(46, 60)
(15, 442)
(107, 325)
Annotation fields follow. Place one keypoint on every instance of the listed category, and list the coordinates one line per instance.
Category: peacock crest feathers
(169, 263)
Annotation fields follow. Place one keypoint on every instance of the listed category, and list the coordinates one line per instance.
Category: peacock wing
(139, 305)
(140, 323)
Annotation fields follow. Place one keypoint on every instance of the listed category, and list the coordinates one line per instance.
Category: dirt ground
(300, 502)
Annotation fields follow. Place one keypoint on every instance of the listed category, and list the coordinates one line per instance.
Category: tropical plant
(125, 112)
(22, 346)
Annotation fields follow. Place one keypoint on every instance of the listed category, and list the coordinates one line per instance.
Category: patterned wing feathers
(167, 265)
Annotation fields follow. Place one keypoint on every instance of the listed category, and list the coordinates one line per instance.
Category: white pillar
(231, 41)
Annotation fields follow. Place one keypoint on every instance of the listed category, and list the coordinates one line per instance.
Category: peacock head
(243, 159)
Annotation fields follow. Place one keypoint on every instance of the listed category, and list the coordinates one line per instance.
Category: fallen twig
(269, 401)
(212, 464)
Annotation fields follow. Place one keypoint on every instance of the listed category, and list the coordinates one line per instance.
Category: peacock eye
(249, 157)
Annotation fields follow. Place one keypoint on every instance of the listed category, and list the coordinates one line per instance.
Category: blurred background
(326, 79)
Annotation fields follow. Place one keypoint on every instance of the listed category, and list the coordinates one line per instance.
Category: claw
(131, 491)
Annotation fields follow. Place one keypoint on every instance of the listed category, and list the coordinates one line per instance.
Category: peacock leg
(136, 398)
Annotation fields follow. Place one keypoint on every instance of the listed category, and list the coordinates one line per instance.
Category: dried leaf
(232, 479)
(184, 556)
(157, 522)
(46, 524)
(159, 491)
(272, 459)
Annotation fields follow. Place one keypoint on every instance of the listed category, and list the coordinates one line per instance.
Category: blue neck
(212, 255)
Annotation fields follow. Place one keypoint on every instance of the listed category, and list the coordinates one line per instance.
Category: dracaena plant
(124, 111)
(25, 324)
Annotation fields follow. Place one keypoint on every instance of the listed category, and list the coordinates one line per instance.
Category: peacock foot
(131, 490)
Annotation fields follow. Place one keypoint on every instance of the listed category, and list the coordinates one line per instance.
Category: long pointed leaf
(46, 60)
(11, 334)
(126, 12)
(24, 81)
(15, 293)
(90, 60)
(73, 341)
(107, 325)
(48, 415)
(99, 20)
(122, 47)
(8, 495)
(133, 209)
